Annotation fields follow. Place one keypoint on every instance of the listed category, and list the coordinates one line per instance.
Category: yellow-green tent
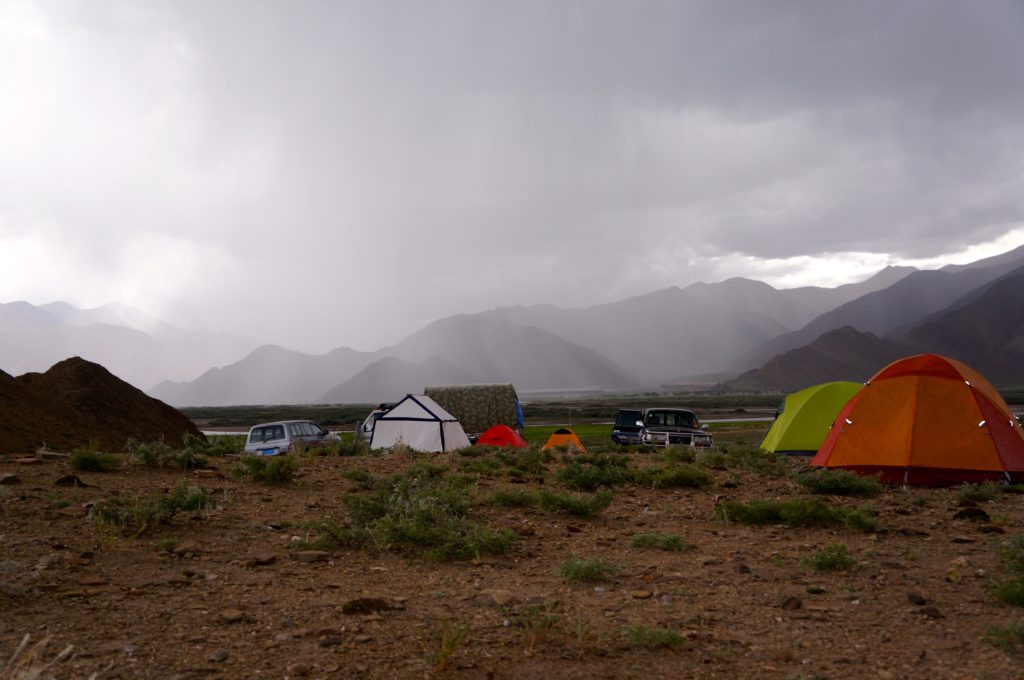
(804, 418)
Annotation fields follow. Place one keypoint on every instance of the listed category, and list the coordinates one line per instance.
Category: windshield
(627, 418)
(670, 419)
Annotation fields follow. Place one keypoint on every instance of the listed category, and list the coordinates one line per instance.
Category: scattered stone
(974, 514)
(742, 569)
(310, 555)
(187, 547)
(932, 612)
(26, 461)
(73, 511)
(232, 616)
(894, 564)
(526, 530)
(208, 473)
(260, 559)
(92, 581)
(962, 539)
(9, 478)
(498, 596)
(710, 561)
(991, 529)
(219, 656)
(298, 670)
(816, 590)
(332, 641)
(640, 594)
(363, 638)
(915, 599)
(366, 605)
(961, 561)
(792, 603)
(71, 480)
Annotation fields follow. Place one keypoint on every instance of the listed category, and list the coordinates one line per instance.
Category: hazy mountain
(985, 331)
(499, 351)
(456, 349)
(391, 378)
(912, 298)
(697, 329)
(34, 338)
(841, 354)
(268, 375)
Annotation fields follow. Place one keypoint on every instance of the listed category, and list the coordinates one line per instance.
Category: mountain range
(770, 339)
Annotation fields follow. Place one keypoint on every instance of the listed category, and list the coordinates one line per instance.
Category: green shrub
(513, 498)
(483, 467)
(424, 511)
(797, 512)
(269, 469)
(979, 493)
(834, 557)
(587, 472)
(90, 460)
(1012, 554)
(669, 542)
(840, 483)
(644, 637)
(679, 454)
(580, 505)
(1010, 592)
(362, 478)
(674, 476)
(326, 534)
(135, 515)
(525, 464)
(158, 454)
(711, 459)
(1010, 639)
(579, 570)
(755, 460)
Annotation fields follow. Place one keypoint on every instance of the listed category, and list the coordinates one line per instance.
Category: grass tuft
(590, 570)
(590, 471)
(134, 516)
(580, 505)
(513, 498)
(668, 542)
(268, 469)
(979, 493)
(674, 476)
(91, 460)
(645, 637)
(1010, 638)
(834, 557)
(840, 483)
(796, 512)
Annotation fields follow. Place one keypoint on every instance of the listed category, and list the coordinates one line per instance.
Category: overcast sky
(335, 173)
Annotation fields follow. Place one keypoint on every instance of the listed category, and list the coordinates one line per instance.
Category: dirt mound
(77, 402)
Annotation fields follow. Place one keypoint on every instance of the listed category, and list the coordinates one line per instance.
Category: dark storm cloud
(431, 158)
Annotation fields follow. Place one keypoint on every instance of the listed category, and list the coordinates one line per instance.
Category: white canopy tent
(420, 423)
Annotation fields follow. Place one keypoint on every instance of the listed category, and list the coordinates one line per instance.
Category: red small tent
(502, 435)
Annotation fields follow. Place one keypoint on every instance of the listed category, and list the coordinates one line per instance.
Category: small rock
(640, 594)
(960, 561)
(498, 596)
(26, 461)
(310, 555)
(816, 590)
(364, 605)
(298, 670)
(894, 564)
(962, 539)
(792, 603)
(742, 569)
(186, 547)
(525, 530)
(260, 559)
(232, 616)
(70, 480)
(973, 514)
(932, 612)
(92, 581)
(710, 561)
(363, 638)
(915, 599)
(332, 641)
(9, 478)
(991, 529)
(219, 656)
(210, 474)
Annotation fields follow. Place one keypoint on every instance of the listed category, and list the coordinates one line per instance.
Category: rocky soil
(226, 593)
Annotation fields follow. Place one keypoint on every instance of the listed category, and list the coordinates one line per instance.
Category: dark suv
(625, 431)
(674, 427)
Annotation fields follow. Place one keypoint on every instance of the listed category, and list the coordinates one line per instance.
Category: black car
(625, 431)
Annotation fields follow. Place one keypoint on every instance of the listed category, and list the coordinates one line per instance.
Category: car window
(256, 436)
(274, 432)
(627, 418)
(295, 430)
(655, 419)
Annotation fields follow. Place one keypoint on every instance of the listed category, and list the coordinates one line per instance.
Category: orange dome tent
(926, 419)
(502, 435)
(563, 436)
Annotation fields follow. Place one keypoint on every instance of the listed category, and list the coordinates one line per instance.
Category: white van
(270, 439)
